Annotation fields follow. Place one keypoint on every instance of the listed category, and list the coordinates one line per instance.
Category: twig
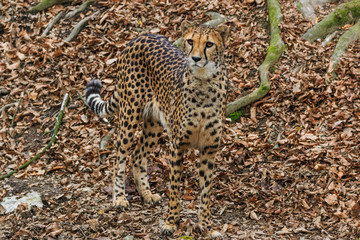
(82, 99)
(52, 140)
(274, 52)
(52, 23)
(16, 111)
(78, 27)
(6, 106)
(80, 9)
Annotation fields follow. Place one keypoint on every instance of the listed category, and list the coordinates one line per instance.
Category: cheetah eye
(209, 44)
(190, 42)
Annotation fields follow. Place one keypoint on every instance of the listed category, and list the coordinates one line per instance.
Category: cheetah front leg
(148, 139)
(207, 164)
(176, 169)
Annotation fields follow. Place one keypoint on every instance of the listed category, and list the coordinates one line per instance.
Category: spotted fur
(158, 86)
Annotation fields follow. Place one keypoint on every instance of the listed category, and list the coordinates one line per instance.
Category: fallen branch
(343, 14)
(53, 139)
(216, 19)
(44, 4)
(80, 9)
(274, 52)
(345, 40)
(52, 23)
(16, 111)
(79, 27)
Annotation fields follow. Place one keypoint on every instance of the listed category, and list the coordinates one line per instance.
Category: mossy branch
(343, 14)
(345, 40)
(79, 27)
(274, 52)
(44, 4)
(216, 19)
(52, 140)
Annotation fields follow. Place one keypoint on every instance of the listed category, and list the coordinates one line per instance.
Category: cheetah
(161, 87)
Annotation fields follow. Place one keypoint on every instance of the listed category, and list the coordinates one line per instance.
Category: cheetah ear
(223, 31)
(185, 25)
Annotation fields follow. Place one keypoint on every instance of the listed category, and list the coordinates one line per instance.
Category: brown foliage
(289, 168)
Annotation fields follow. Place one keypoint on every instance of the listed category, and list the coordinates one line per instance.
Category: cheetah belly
(200, 136)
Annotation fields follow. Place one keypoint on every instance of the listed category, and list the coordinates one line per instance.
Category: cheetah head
(204, 48)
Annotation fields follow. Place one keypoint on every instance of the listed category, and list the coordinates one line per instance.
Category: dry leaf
(331, 199)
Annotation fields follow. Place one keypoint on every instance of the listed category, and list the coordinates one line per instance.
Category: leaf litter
(288, 168)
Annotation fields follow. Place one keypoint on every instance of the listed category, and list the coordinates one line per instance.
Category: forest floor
(288, 168)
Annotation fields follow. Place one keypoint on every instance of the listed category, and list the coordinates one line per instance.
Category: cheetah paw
(152, 199)
(121, 203)
(215, 235)
(168, 229)
(212, 234)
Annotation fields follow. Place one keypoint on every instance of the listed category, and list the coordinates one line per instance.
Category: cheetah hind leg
(148, 139)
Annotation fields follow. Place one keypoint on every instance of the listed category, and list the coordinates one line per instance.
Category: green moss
(235, 116)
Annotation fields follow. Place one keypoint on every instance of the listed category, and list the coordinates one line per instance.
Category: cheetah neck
(204, 92)
(204, 78)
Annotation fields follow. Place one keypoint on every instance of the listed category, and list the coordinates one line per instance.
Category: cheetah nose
(196, 59)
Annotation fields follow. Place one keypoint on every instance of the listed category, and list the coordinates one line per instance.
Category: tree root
(52, 23)
(343, 14)
(79, 27)
(306, 7)
(52, 140)
(345, 40)
(274, 52)
(44, 4)
(80, 9)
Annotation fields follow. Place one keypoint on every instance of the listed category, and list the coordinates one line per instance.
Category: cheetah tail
(94, 101)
